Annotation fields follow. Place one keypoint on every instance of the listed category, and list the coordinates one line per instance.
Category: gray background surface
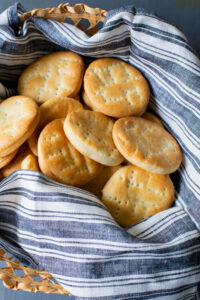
(185, 14)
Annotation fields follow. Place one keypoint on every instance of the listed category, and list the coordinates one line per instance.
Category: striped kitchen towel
(68, 231)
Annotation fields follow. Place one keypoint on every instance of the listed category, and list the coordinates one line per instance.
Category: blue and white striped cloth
(68, 231)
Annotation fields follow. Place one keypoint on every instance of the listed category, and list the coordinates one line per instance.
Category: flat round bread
(88, 102)
(77, 97)
(147, 145)
(52, 75)
(133, 194)
(149, 116)
(59, 160)
(115, 88)
(6, 159)
(19, 116)
(57, 108)
(54, 108)
(30, 162)
(16, 162)
(91, 134)
(33, 140)
(96, 185)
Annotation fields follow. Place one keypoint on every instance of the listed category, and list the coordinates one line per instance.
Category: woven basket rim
(76, 13)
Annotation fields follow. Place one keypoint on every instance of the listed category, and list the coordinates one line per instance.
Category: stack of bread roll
(108, 144)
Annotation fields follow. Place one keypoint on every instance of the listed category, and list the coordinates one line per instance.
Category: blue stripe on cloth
(67, 230)
(18, 252)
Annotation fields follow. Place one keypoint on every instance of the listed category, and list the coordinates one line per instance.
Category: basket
(33, 280)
